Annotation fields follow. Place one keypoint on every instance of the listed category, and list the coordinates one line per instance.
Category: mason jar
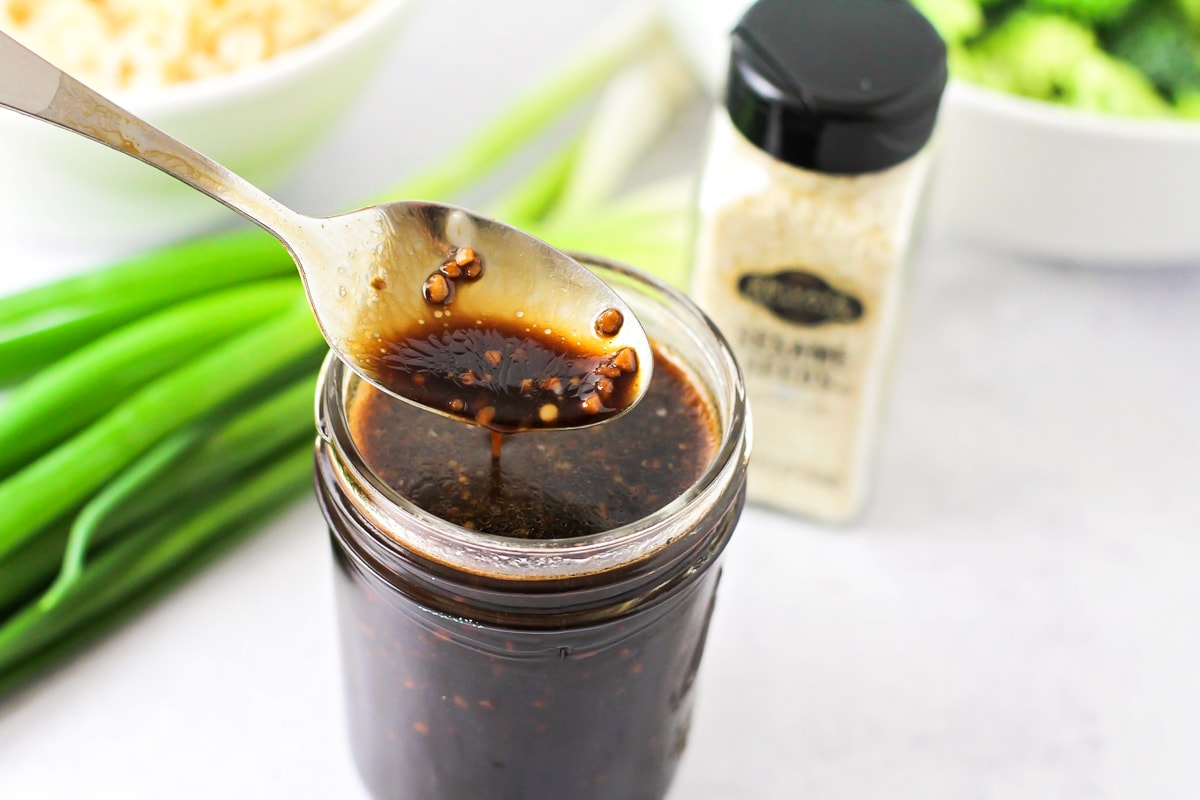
(482, 666)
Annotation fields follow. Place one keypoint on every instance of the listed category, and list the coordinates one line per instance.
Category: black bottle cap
(836, 86)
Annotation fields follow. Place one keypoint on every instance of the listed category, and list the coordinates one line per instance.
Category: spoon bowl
(367, 273)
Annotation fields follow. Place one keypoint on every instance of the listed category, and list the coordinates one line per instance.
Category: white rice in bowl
(135, 44)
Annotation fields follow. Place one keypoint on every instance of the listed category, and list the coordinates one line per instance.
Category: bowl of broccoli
(1071, 128)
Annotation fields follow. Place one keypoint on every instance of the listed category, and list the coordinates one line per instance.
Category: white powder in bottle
(811, 190)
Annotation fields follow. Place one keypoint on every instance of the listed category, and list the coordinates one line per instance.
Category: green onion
(28, 569)
(81, 387)
(67, 474)
(633, 112)
(150, 554)
(536, 196)
(649, 228)
(221, 459)
(47, 322)
(278, 421)
(101, 507)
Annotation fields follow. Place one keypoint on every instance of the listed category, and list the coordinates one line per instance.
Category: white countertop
(1015, 616)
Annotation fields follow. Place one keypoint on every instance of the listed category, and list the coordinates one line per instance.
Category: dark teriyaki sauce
(544, 485)
(505, 375)
(444, 708)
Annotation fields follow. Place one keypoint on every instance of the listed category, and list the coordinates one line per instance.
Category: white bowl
(260, 122)
(1060, 184)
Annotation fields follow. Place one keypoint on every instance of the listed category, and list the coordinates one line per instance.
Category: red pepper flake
(409, 683)
(368, 631)
(487, 705)
(538, 704)
(461, 702)
(421, 728)
(445, 637)
(636, 669)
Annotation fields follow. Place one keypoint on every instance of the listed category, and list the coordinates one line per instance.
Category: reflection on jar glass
(547, 645)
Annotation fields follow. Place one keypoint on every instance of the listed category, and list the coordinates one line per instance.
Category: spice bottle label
(800, 297)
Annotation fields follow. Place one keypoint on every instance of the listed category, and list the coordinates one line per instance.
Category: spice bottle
(479, 665)
(810, 194)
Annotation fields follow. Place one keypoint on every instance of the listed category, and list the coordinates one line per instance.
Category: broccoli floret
(1033, 54)
(1190, 9)
(1052, 57)
(1095, 12)
(1158, 41)
(1108, 85)
(955, 20)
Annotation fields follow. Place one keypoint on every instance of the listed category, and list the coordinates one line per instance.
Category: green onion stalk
(160, 408)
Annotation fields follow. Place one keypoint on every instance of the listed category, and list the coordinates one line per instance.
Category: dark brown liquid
(548, 485)
(444, 708)
(504, 374)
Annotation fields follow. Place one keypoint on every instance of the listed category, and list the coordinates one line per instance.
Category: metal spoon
(363, 271)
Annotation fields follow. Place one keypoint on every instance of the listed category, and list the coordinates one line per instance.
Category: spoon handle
(31, 85)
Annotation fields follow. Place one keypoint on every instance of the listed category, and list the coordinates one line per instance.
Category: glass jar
(479, 666)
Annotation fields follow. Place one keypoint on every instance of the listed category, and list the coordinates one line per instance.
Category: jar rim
(406, 524)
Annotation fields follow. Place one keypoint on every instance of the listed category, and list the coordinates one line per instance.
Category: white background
(1015, 616)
